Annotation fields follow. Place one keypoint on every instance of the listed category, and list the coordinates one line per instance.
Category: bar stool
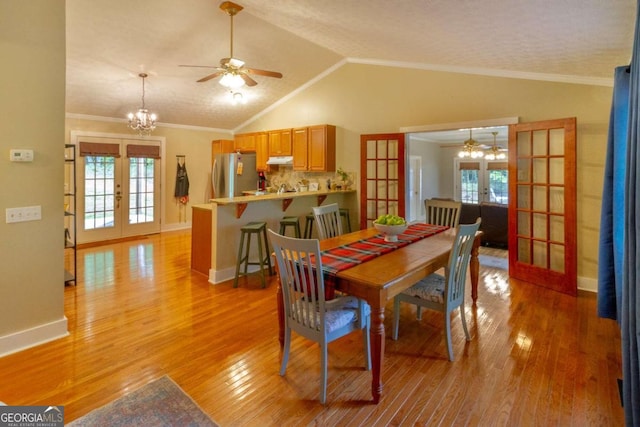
(308, 226)
(290, 221)
(264, 256)
(344, 213)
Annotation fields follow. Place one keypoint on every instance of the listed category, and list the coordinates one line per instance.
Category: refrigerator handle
(214, 172)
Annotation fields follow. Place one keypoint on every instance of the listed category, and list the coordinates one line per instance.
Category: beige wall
(363, 99)
(32, 84)
(193, 143)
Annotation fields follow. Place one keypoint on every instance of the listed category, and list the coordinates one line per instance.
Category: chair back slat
(299, 266)
(443, 212)
(459, 261)
(328, 220)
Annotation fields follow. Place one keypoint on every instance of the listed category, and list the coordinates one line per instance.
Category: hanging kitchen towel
(182, 182)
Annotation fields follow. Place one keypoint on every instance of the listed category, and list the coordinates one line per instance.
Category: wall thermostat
(21, 155)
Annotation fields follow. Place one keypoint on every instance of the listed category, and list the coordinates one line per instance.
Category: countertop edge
(275, 196)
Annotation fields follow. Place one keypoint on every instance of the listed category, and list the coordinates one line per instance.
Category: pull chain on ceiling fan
(234, 73)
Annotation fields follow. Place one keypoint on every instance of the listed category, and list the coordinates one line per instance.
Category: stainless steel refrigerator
(233, 173)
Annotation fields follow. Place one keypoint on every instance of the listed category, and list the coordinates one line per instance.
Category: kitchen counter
(276, 196)
(216, 225)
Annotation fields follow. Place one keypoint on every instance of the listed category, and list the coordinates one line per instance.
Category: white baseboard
(175, 226)
(32, 337)
(219, 276)
(588, 284)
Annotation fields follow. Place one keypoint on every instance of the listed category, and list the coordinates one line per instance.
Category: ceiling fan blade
(210, 76)
(264, 73)
(248, 80)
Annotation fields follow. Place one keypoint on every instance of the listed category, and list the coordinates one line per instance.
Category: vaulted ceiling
(109, 42)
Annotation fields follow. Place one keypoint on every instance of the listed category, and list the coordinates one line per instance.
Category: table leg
(377, 351)
(474, 267)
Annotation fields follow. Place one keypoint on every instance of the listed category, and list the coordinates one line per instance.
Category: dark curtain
(630, 307)
(619, 258)
(613, 197)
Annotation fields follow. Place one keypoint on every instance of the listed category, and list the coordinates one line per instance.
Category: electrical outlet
(27, 213)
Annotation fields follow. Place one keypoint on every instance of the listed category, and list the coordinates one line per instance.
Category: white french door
(481, 180)
(118, 184)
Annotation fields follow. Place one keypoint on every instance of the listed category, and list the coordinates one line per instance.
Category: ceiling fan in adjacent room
(232, 70)
(471, 148)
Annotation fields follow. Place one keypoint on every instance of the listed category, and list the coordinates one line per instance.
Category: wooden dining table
(380, 279)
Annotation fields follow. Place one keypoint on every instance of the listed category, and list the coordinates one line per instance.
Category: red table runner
(342, 257)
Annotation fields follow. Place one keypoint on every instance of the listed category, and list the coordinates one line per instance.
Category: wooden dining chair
(305, 310)
(443, 212)
(328, 220)
(443, 293)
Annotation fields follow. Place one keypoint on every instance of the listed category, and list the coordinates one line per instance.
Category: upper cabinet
(219, 146)
(300, 149)
(245, 142)
(314, 148)
(262, 151)
(279, 142)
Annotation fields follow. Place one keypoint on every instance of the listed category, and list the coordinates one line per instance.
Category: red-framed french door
(542, 204)
(382, 177)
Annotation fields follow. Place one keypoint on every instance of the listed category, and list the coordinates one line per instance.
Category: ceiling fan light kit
(494, 151)
(234, 73)
(471, 149)
(142, 121)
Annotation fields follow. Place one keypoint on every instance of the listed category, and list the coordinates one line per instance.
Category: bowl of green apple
(390, 226)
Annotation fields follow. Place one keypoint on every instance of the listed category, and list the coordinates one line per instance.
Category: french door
(382, 182)
(542, 204)
(481, 180)
(118, 188)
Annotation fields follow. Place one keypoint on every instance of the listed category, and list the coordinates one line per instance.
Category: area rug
(494, 262)
(159, 403)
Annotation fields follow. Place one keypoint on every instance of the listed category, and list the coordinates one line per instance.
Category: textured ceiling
(109, 42)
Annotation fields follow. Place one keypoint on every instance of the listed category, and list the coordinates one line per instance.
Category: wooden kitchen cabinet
(219, 146)
(262, 151)
(245, 142)
(314, 148)
(300, 149)
(280, 142)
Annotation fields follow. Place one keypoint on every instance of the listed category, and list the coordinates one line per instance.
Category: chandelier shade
(142, 121)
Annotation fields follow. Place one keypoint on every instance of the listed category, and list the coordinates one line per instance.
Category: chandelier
(494, 152)
(471, 149)
(143, 122)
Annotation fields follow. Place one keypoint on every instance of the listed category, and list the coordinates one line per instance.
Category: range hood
(280, 160)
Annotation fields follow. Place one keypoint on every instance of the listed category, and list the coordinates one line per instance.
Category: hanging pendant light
(142, 121)
(471, 148)
(494, 152)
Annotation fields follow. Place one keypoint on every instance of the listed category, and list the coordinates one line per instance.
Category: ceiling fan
(234, 73)
(471, 148)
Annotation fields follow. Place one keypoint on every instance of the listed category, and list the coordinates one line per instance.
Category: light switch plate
(27, 213)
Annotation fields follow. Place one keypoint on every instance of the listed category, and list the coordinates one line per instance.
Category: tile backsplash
(293, 179)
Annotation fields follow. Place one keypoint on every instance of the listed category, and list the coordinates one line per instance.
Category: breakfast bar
(216, 225)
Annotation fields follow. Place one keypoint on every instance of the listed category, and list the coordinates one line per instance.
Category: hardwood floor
(537, 357)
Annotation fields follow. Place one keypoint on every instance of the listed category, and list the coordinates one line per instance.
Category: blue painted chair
(443, 293)
(305, 309)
